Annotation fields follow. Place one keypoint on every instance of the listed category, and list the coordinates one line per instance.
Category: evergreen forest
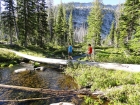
(37, 27)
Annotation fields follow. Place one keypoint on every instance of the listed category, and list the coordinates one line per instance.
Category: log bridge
(113, 66)
(41, 59)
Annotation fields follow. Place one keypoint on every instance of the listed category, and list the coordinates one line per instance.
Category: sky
(111, 2)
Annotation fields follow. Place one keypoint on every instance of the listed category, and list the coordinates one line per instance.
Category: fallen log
(29, 99)
(24, 100)
(54, 92)
(40, 90)
(113, 66)
(64, 92)
(41, 59)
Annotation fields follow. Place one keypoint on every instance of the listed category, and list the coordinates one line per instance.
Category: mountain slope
(81, 12)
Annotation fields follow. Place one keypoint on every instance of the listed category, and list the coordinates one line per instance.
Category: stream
(48, 79)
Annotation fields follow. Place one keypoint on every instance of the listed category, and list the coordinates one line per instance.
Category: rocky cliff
(81, 12)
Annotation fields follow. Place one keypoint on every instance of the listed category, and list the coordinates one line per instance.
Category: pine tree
(43, 33)
(25, 20)
(65, 27)
(128, 21)
(32, 21)
(112, 33)
(70, 37)
(118, 13)
(61, 26)
(0, 21)
(8, 19)
(135, 42)
(51, 19)
(55, 39)
(94, 24)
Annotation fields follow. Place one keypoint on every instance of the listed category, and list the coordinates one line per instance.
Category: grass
(102, 79)
(113, 55)
(8, 59)
(128, 95)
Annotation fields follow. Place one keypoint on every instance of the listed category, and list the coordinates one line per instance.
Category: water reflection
(27, 79)
(5, 75)
(67, 83)
(48, 79)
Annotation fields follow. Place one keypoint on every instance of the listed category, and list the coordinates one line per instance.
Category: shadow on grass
(49, 51)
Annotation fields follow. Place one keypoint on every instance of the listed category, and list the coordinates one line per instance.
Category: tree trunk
(10, 33)
(25, 23)
(0, 20)
(15, 22)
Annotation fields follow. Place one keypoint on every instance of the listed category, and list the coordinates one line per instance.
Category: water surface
(48, 79)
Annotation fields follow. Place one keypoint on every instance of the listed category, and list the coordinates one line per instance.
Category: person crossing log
(113, 66)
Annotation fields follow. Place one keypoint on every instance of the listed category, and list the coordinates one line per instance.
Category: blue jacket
(70, 49)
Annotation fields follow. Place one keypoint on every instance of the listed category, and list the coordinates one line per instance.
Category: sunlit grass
(102, 79)
(114, 55)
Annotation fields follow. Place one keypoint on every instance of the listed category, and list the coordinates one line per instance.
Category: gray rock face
(81, 12)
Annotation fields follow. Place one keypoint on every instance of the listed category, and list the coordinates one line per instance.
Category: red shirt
(89, 50)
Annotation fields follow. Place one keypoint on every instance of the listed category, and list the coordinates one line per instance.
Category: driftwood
(60, 93)
(29, 99)
(64, 92)
(24, 100)
(40, 90)
(54, 92)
